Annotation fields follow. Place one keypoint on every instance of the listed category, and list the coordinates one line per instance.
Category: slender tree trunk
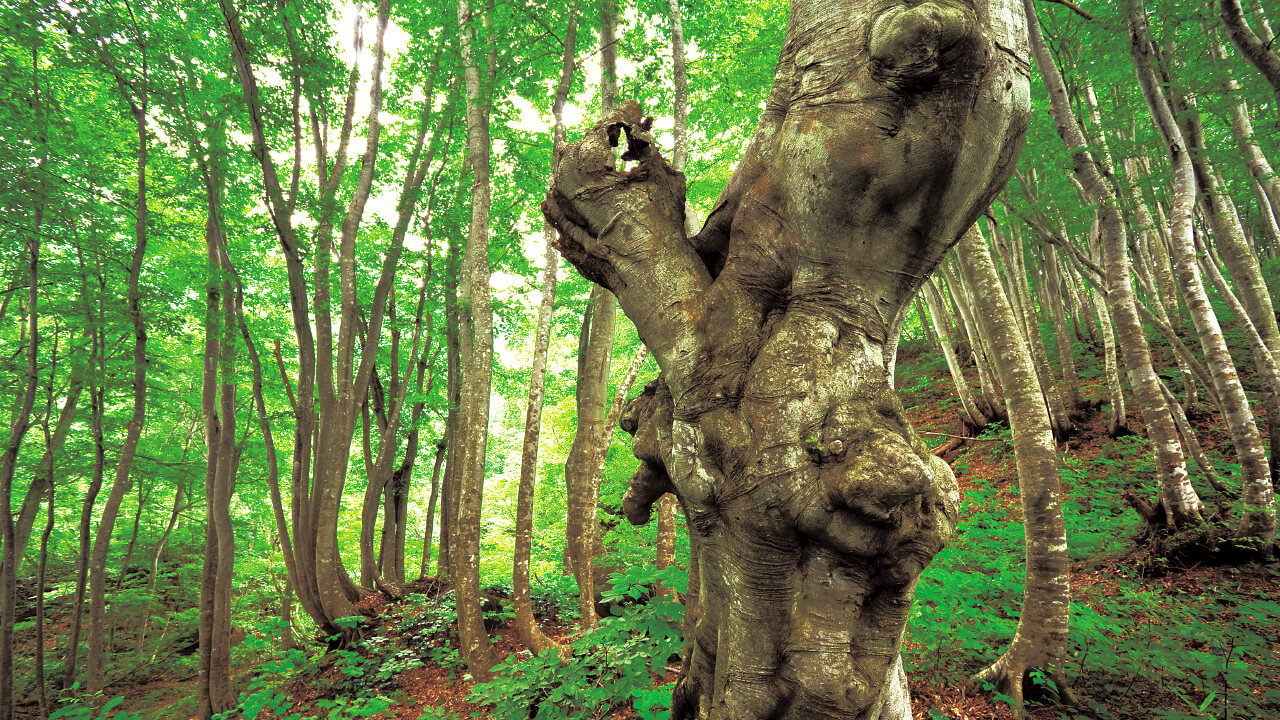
(595, 350)
(42, 692)
(1148, 237)
(1041, 638)
(976, 419)
(133, 429)
(428, 533)
(926, 324)
(43, 477)
(1191, 443)
(1057, 300)
(1242, 131)
(530, 634)
(8, 461)
(990, 399)
(1180, 503)
(97, 375)
(46, 467)
(1119, 422)
(665, 547)
(133, 538)
(218, 413)
(1255, 304)
(178, 497)
(1024, 309)
(477, 358)
(1259, 515)
(453, 358)
(1266, 368)
(1081, 295)
(338, 382)
(1254, 48)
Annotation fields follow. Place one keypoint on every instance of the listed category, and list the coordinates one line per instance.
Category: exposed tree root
(1118, 429)
(1165, 548)
(1020, 682)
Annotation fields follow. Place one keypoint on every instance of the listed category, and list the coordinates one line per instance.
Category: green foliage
(263, 692)
(617, 663)
(555, 597)
(1207, 646)
(429, 631)
(77, 705)
(344, 708)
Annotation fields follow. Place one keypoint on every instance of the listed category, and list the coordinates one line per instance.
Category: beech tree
(595, 351)
(812, 504)
(1041, 638)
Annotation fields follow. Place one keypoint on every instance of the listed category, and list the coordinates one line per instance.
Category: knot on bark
(881, 477)
(911, 46)
(647, 417)
(604, 214)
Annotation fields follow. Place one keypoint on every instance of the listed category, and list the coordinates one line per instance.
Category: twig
(958, 437)
(1074, 8)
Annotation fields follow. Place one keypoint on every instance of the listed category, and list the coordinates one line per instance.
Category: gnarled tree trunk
(811, 503)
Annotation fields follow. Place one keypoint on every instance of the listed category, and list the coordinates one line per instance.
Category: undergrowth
(1138, 649)
(614, 665)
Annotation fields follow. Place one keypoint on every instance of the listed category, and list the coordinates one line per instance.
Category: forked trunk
(811, 503)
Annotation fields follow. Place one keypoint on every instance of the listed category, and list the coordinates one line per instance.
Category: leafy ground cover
(1152, 637)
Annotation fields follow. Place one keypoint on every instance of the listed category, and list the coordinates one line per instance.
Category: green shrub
(615, 664)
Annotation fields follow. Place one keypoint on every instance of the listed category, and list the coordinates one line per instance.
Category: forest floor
(1152, 637)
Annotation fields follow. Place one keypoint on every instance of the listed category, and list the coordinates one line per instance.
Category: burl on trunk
(813, 506)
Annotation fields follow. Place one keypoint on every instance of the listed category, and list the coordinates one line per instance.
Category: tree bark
(428, 534)
(1259, 518)
(595, 351)
(526, 625)
(990, 401)
(453, 361)
(477, 359)
(1024, 309)
(812, 505)
(97, 376)
(1256, 50)
(43, 477)
(218, 419)
(133, 540)
(42, 691)
(1057, 300)
(1041, 638)
(976, 418)
(333, 374)
(1181, 504)
(21, 423)
(133, 429)
(1255, 306)
(179, 495)
(1243, 133)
